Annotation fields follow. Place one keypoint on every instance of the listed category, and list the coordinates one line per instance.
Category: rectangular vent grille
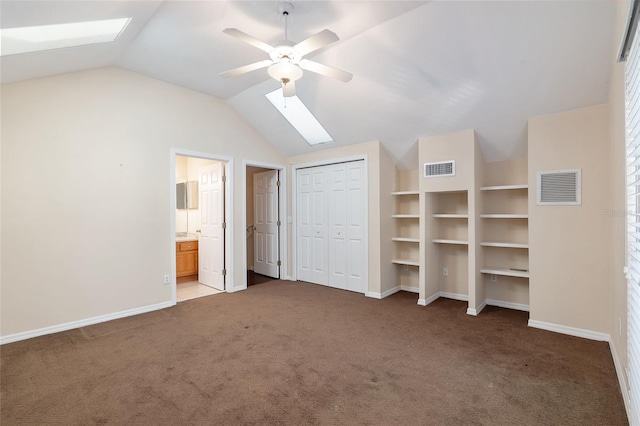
(443, 168)
(559, 188)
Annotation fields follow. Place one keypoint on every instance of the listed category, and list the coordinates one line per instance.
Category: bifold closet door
(331, 227)
(312, 229)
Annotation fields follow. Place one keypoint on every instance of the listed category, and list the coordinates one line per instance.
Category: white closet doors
(331, 225)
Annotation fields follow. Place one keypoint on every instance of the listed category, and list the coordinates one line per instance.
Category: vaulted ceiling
(420, 68)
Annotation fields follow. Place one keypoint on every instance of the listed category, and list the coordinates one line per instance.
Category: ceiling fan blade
(234, 32)
(325, 70)
(289, 89)
(316, 42)
(247, 68)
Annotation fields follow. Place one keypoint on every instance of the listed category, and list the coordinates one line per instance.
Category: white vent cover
(443, 168)
(559, 188)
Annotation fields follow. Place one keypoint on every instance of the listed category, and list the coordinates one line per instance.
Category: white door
(337, 226)
(331, 231)
(356, 273)
(211, 245)
(266, 235)
(312, 230)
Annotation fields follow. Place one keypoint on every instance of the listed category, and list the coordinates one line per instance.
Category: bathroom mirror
(187, 195)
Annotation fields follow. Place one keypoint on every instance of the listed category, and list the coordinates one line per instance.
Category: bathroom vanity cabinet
(186, 258)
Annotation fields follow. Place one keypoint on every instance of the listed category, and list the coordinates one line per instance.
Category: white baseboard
(435, 296)
(382, 295)
(236, 288)
(477, 310)
(571, 331)
(410, 289)
(454, 296)
(622, 379)
(82, 323)
(508, 305)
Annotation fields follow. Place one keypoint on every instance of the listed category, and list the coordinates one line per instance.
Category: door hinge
(224, 178)
(278, 223)
(224, 225)
(278, 183)
(224, 272)
(279, 263)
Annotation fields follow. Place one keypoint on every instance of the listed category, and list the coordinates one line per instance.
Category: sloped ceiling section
(420, 68)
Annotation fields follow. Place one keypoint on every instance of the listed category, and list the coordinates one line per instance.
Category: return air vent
(443, 168)
(559, 188)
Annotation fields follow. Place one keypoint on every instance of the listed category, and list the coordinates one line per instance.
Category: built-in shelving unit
(505, 230)
(407, 238)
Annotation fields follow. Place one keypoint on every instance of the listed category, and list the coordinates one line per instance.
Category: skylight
(300, 117)
(47, 37)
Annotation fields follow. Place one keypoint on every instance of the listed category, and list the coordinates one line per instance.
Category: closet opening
(265, 225)
(331, 230)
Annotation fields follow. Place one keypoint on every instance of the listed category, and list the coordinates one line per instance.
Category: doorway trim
(228, 204)
(294, 209)
(284, 247)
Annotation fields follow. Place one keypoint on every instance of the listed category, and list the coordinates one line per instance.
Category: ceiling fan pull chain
(286, 29)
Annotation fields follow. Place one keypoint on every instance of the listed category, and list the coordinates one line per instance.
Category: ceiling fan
(286, 58)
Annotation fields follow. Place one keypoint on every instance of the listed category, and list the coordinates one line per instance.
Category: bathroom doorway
(200, 225)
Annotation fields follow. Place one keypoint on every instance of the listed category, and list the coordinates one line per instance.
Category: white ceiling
(420, 68)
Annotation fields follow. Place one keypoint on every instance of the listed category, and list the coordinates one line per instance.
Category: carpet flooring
(283, 353)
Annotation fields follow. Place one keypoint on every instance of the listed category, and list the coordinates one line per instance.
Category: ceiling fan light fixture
(285, 70)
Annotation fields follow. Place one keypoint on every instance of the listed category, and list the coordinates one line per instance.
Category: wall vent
(443, 168)
(559, 188)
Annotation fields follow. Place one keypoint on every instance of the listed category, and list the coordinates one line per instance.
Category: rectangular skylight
(300, 117)
(46, 37)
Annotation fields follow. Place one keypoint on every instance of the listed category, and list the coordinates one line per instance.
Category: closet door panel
(320, 231)
(305, 229)
(338, 258)
(355, 229)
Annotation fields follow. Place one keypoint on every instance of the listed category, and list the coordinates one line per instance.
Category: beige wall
(617, 202)
(86, 190)
(379, 205)
(570, 246)
(459, 260)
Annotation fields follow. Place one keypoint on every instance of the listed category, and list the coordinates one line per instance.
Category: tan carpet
(286, 353)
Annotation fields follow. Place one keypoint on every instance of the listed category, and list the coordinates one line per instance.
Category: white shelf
(504, 216)
(451, 216)
(503, 187)
(406, 240)
(504, 271)
(405, 193)
(405, 216)
(406, 262)
(507, 245)
(459, 242)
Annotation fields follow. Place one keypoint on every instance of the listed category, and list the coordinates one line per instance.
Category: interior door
(211, 245)
(266, 234)
(338, 259)
(356, 272)
(312, 244)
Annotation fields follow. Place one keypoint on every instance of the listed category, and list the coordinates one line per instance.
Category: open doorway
(200, 224)
(265, 226)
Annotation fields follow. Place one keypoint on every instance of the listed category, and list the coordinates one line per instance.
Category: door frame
(282, 207)
(228, 203)
(294, 209)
